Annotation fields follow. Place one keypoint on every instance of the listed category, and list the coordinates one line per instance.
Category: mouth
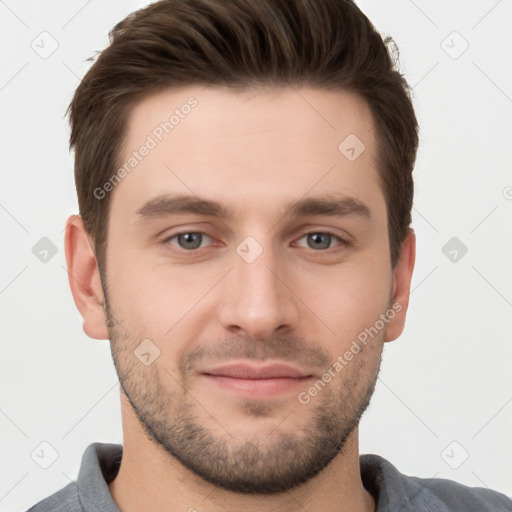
(256, 381)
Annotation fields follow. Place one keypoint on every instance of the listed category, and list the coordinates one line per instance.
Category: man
(244, 176)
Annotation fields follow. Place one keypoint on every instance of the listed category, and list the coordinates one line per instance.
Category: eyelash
(342, 242)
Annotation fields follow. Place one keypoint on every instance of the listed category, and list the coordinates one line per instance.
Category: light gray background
(447, 379)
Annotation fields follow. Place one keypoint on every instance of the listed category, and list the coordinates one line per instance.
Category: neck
(150, 476)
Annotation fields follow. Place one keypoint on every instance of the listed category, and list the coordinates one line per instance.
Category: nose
(258, 297)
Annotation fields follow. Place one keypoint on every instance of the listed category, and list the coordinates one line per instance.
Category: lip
(256, 381)
(252, 371)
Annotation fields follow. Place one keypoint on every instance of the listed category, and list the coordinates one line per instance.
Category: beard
(259, 463)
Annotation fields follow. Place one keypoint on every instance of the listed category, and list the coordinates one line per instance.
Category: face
(247, 256)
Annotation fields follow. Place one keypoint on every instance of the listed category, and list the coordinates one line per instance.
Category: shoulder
(65, 500)
(395, 490)
(449, 495)
(100, 464)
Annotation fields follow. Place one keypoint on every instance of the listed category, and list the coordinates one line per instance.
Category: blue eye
(188, 241)
(322, 240)
(191, 241)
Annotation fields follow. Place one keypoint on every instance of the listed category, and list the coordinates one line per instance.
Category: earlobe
(84, 278)
(401, 286)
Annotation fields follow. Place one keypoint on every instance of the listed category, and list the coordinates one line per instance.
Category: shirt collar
(101, 461)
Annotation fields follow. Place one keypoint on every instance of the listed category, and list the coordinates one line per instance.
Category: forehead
(270, 144)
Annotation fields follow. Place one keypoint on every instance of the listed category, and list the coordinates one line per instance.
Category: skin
(190, 444)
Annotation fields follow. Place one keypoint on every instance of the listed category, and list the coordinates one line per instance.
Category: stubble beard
(258, 464)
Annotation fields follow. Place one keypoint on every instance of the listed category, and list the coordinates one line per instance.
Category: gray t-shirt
(393, 491)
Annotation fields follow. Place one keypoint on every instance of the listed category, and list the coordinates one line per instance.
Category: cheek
(135, 292)
(349, 298)
(154, 299)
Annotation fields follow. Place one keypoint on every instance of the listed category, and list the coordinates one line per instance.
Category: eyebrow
(329, 205)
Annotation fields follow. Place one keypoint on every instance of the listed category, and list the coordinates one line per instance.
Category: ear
(84, 278)
(401, 286)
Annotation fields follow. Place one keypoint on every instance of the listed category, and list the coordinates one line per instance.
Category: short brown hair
(327, 44)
